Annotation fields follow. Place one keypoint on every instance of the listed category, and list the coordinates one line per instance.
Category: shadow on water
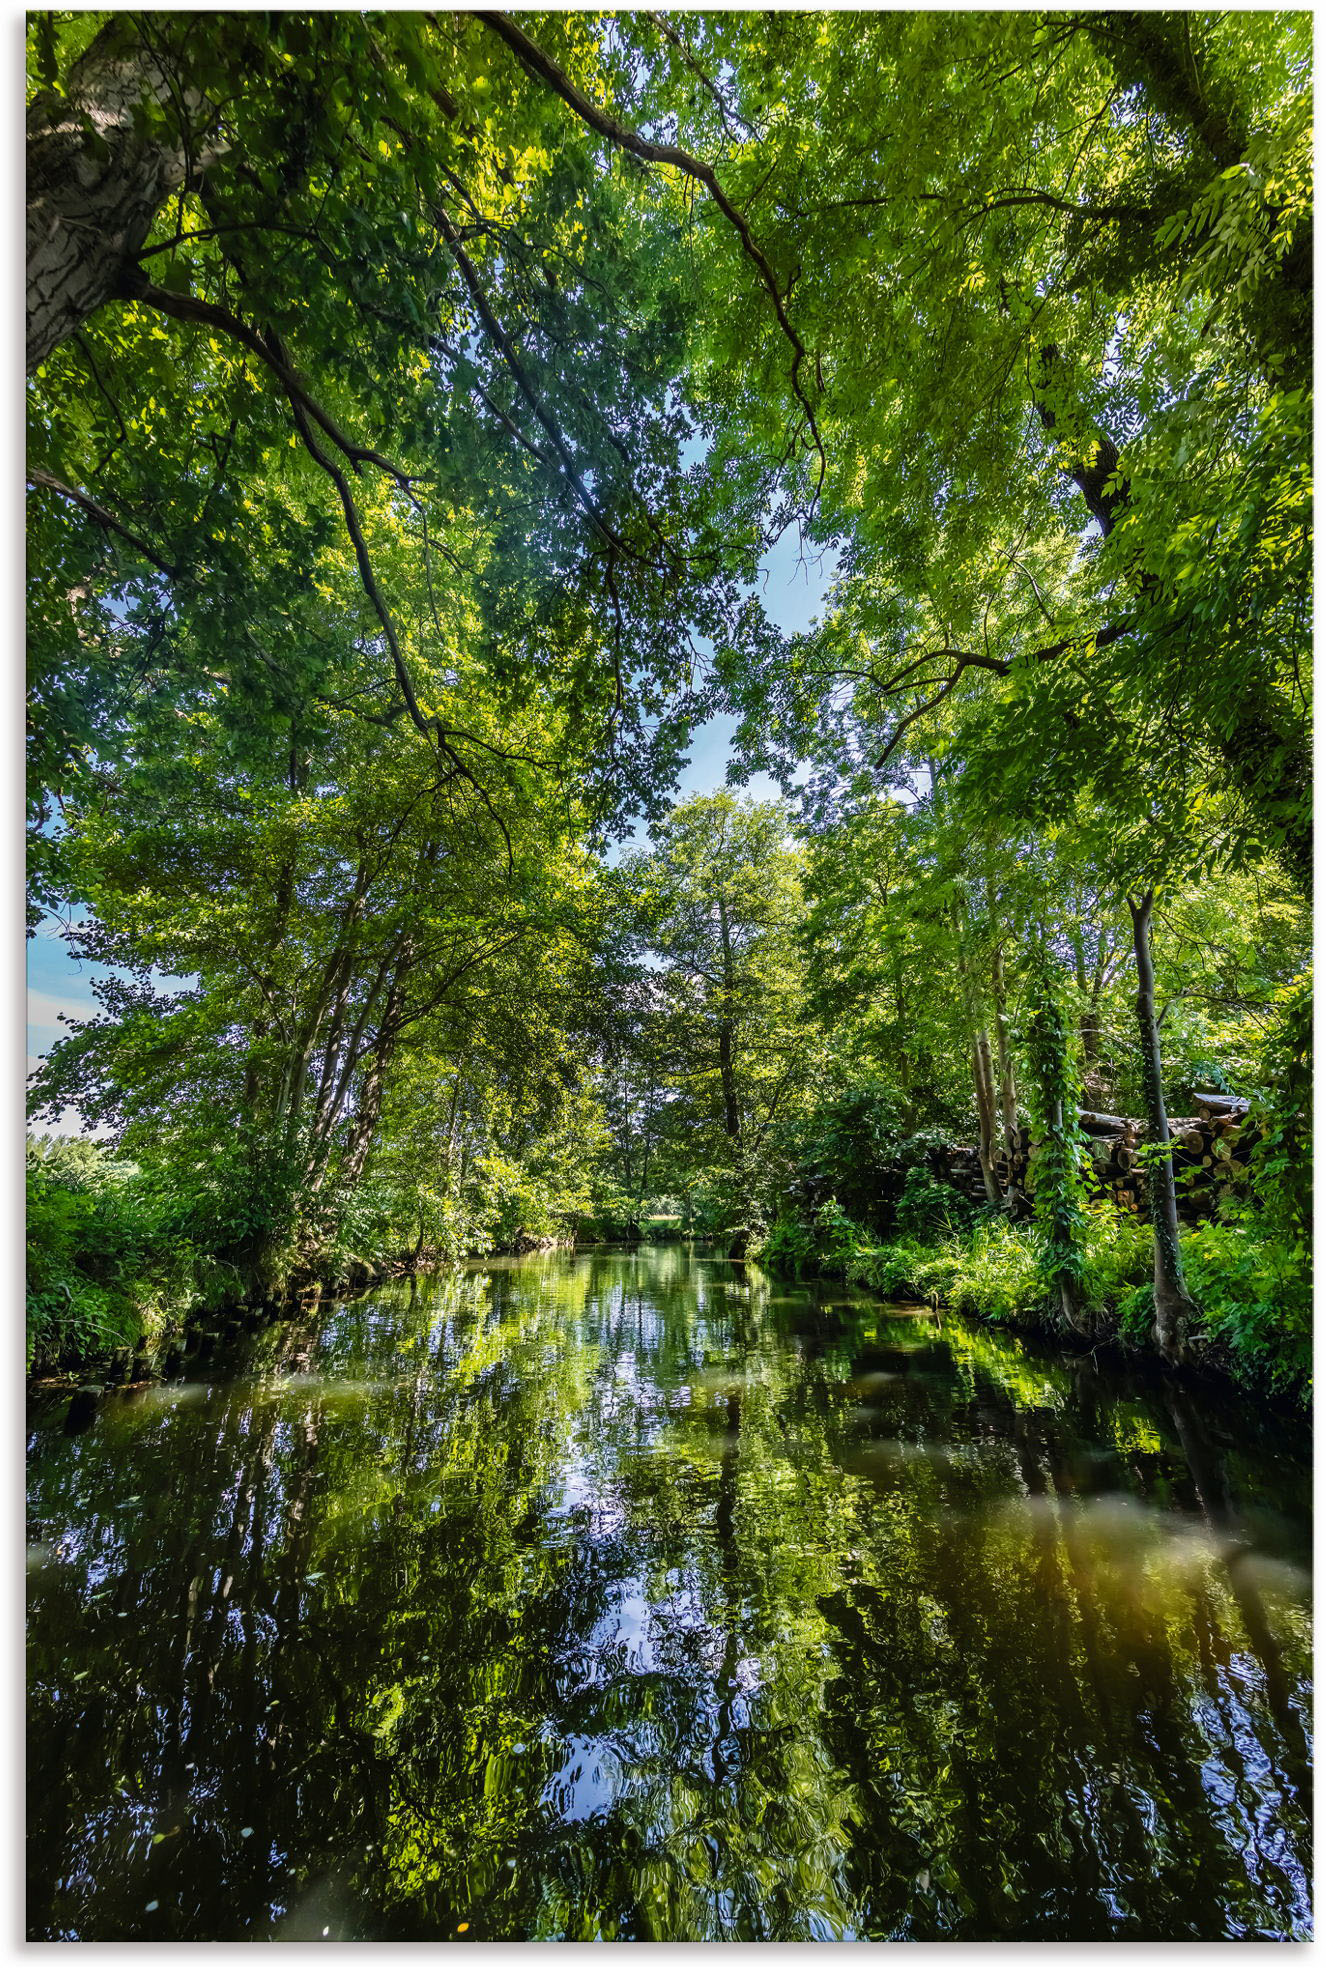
(642, 1596)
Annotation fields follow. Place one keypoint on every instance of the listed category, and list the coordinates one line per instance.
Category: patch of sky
(59, 987)
(794, 578)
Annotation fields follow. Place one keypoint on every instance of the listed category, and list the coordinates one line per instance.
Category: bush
(1254, 1289)
(1002, 1275)
(929, 1206)
(1255, 1293)
(1117, 1257)
(107, 1265)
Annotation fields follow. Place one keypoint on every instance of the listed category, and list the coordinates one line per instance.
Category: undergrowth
(1253, 1290)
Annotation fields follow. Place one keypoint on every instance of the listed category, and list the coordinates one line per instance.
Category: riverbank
(1254, 1297)
(127, 1273)
(127, 1270)
(121, 1282)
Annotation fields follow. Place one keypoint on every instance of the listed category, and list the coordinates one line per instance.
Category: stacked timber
(1210, 1151)
(961, 1168)
(1113, 1142)
(1012, 1162)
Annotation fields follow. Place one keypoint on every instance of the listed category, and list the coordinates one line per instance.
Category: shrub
(1117, 1257)
(929, 1206)
(1255, 1293)
(1002, 1274)
(107, 1265)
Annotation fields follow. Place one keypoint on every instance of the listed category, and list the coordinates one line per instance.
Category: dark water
(647, 1597)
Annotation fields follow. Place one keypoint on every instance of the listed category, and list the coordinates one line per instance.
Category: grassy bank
(1254, 1293)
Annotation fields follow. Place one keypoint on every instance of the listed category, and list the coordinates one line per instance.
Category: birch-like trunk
(96, 181)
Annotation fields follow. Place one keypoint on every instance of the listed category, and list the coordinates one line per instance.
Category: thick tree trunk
(1173, 1305)
(95, 183)
(363, 1133)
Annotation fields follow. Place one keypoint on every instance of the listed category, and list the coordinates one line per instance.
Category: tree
(1078, 310)
(713, 907)
(1174, 1307)
(328, 917)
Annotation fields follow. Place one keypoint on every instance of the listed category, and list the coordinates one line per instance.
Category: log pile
(1210, 1150)
(961, 1168)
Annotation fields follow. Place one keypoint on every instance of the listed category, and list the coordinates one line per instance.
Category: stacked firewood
(961, 1167)
(1210, 1150)
(1113, 1141)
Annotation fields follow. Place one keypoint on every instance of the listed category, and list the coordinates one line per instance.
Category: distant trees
(710, 912)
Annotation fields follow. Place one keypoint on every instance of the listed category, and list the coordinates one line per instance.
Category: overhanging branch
(104, 519)
(189, 307)
(625, 138)
(964, 659)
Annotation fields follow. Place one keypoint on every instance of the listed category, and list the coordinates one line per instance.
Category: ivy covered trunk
(1174, 1307)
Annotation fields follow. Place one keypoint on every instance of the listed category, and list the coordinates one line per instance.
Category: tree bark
(96, 182)
(726, 1070)
(1173, 1305)
(1008, 1099)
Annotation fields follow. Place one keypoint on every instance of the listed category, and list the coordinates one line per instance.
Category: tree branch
(506, 348)
(103, 518)
(968, 660)
(625, 138)
(189, 307)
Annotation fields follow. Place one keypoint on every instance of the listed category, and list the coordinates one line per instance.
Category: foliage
(110, 1264)
(400, 474)
(1281, 1167)
(1255, 1294)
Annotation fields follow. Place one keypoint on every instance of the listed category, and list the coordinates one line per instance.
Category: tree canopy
(412, 400)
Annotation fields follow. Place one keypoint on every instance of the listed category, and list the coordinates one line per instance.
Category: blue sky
(793, 589)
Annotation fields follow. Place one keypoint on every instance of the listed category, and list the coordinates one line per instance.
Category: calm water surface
(647, 1597)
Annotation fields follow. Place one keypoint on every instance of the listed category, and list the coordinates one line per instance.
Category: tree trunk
(1070, 1298)
(981, 1070)
(95, 182)
(726, 1070)
(363, 1133)
(1173, 1305)
(1008, 1099)
(983, 1077)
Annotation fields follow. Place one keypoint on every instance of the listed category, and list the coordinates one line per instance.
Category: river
(646, 1596)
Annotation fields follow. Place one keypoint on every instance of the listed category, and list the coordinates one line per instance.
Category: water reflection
(645, 1597)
